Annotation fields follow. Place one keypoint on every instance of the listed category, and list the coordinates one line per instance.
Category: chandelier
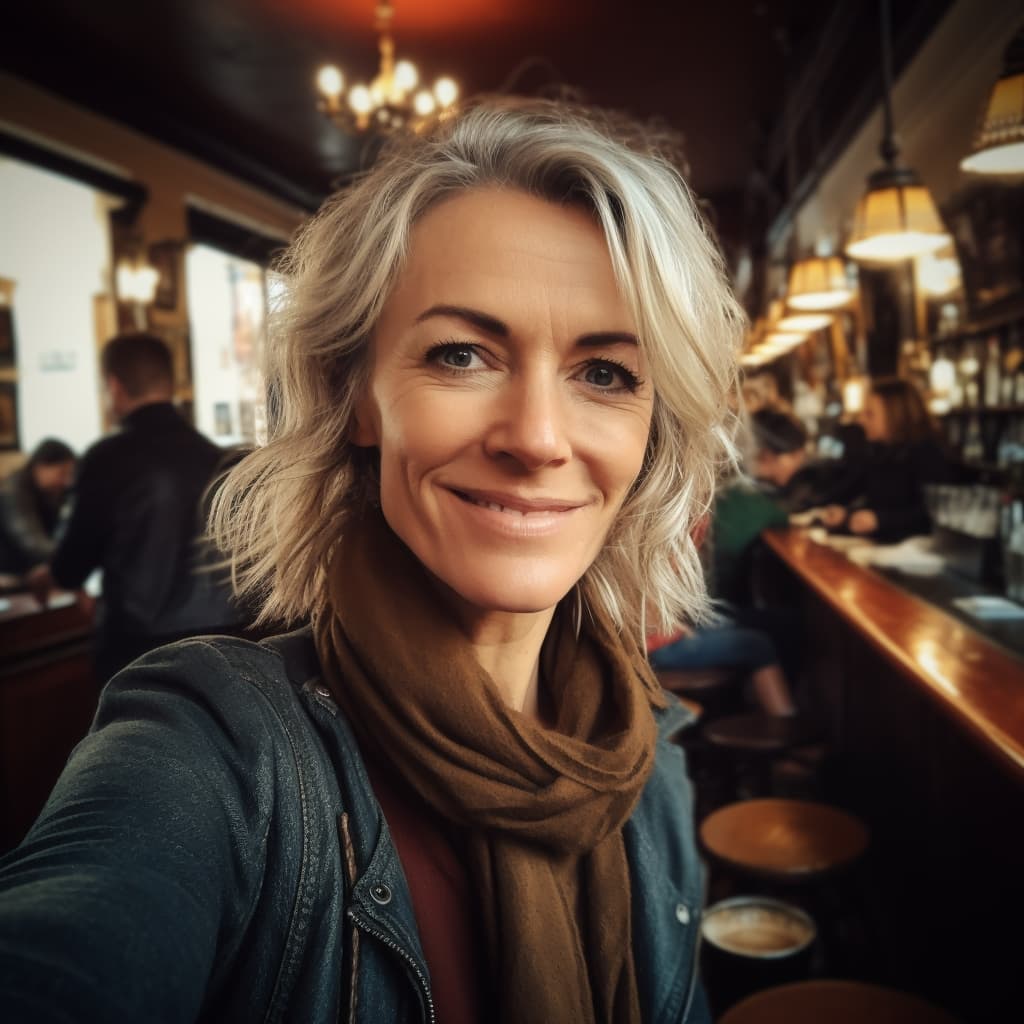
(391, 101)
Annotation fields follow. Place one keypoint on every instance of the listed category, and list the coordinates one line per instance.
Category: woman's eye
(608, 376)
(455, 356)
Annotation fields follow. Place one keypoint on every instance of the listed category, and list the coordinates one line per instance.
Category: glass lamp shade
(896, 219)
(804, 323)
(818, 283)
(999, 143)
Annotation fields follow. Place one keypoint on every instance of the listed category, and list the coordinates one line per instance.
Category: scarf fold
(542, 809)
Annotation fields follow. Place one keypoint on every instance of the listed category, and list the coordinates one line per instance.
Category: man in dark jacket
(136, 515)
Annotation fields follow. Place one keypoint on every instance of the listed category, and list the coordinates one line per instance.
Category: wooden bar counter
(976, 682)
(924, 725)
(48, 695)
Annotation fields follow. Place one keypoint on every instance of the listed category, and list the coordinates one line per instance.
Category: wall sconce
(135, 283)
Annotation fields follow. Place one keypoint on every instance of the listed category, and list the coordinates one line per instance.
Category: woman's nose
(531, 423)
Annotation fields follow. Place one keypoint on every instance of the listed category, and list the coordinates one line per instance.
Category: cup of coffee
(750, 943)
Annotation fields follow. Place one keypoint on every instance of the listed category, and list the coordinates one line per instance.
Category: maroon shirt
(443, 899)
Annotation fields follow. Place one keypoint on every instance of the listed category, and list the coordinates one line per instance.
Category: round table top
(790, 840)
(834, 1002)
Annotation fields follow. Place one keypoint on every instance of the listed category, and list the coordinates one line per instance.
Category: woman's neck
(508, 646)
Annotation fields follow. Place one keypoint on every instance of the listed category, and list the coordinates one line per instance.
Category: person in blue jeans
(502, 375)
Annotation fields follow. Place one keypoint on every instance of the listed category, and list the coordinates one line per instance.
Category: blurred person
(32, 504)
(792, 478)
(502, 364)
(884, 497)
(136, 515)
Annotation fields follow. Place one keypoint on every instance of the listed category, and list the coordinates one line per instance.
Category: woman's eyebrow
(483, 321)
(497, 328)
(602, 338)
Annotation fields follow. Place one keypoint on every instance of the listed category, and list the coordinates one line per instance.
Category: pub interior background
(154, 158)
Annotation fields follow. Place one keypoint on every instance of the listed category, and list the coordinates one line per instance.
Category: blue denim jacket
(213, 851)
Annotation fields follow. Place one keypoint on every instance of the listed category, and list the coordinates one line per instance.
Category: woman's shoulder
(216, 684)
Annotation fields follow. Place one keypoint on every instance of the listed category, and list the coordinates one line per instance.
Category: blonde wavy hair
(282, 509)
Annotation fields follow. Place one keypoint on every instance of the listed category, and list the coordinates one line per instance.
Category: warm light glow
(804, 323)
(446, 91)
(390, 101)
(136, 282)
(360, 100)
(406, 75)
(999, 144)
(854, 391)
(423, 103)
(938, 275)
(818, 283)
(330, 82)
(896, 223)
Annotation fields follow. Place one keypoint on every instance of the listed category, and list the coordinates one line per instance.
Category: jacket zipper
(693, 973)
(421, 977)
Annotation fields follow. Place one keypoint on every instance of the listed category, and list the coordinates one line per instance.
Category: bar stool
(753, 742)
(834, 1002)
(789, 845)
(784, 840)
(710, 686)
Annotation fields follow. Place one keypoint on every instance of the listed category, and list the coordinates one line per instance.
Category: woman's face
(874, 419)
(508, 397)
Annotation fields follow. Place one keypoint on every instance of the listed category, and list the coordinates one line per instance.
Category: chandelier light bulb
(446, 91)
(406, 75)
(423, 103)
(359, 99)
(330, 81)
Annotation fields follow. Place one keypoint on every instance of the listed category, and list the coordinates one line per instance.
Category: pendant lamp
(896, 218)
(999, 142)
(818, 283)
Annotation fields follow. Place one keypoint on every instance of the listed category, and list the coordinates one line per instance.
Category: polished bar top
(977, 682)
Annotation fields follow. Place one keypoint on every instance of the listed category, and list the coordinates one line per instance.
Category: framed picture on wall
(7, 347)
(8, 415)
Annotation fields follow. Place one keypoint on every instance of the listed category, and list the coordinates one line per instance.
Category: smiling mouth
(521, 507)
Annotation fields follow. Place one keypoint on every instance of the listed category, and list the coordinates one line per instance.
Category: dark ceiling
(232, 80)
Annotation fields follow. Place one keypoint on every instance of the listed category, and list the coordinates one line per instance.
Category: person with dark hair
(32, 502)
(885, 498)
(781, 464)
(136, 515)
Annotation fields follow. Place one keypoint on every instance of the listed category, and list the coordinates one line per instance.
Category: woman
(885, 498)
(32, 503)
(502, 373)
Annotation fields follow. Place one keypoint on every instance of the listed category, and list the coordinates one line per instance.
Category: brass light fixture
(391, 101)
(999, 142)
(818, 283)
(896, 219)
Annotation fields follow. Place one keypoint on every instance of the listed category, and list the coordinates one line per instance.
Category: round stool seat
(759, 734)
(834, 1002)
(697, 681)
(786, 840)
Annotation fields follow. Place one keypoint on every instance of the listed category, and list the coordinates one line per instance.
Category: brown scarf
(543, 808)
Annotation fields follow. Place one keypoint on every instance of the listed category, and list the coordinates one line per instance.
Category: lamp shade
(896, 219)
(818, 283)
(999, 142)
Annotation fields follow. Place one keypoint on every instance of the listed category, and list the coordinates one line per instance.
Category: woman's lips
(517, 504)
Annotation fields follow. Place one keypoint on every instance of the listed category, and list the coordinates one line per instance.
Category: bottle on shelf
(974, 445)
(968, 371)
(992, 375)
